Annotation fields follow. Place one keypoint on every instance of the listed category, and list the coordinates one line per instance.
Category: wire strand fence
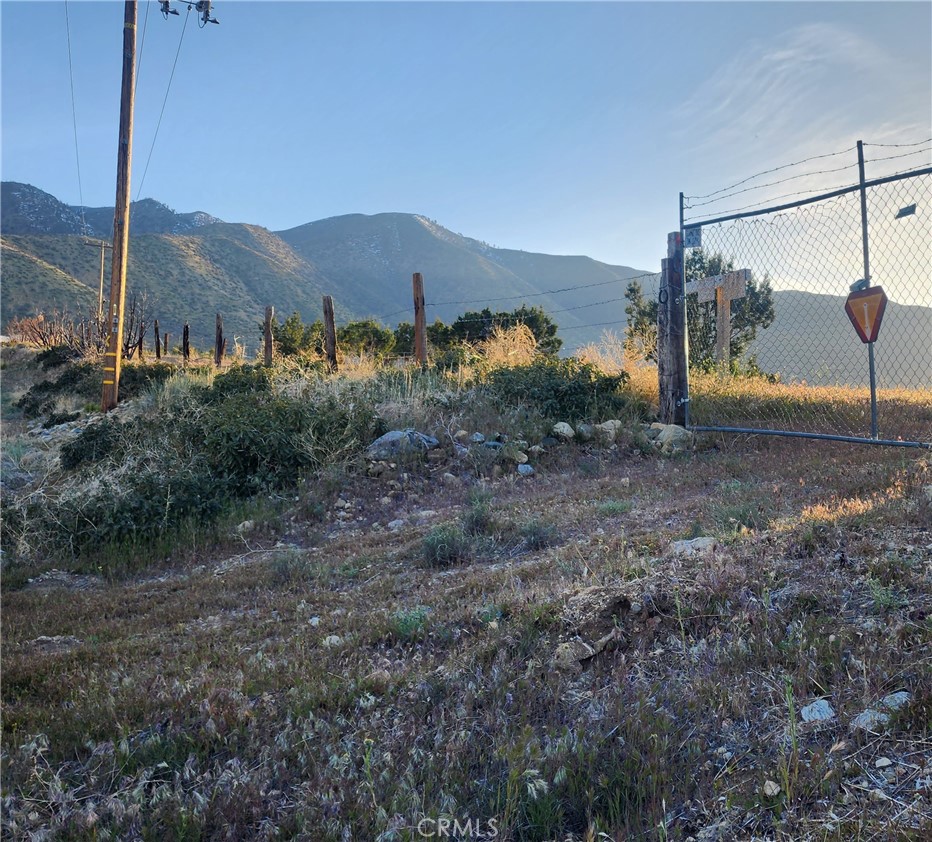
(799, 367)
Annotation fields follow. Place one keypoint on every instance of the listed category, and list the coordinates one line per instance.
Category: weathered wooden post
(219, 343)
(671, 335)
(158, 341)
(269, 315)
(420, 321)
(165, 344)
(722, 289)
(186, 342)
(330, 334)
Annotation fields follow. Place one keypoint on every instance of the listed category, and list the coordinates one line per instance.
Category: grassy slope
(203, 699)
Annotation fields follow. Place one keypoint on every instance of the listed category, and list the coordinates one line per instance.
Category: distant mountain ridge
(193, 265)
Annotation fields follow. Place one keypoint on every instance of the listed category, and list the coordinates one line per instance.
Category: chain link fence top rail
(811, 371)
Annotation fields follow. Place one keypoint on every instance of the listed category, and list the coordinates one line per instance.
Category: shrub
(538, 535)
(446, 545)
(561, 389)
(91, 445)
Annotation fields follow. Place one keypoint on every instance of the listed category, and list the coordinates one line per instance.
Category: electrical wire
(547, 312)
(767, 172)
(74, 123)
(164, 101)
(142, 46)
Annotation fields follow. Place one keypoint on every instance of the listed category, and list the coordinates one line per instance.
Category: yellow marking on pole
(108, 368)
(110, 354)
(108, 382)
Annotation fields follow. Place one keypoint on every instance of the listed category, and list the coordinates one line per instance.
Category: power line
(142, 46)
(74, 122)
(164, 101)
(767, 172)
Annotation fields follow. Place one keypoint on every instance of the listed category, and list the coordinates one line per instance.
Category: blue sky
(566, 128)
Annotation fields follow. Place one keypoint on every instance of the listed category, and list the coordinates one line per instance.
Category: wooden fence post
(186, 342)
(330, 334)
(165, 344)
(671, 336)
(219, 343)
(269, 315)
(420, 321)
(158, 341)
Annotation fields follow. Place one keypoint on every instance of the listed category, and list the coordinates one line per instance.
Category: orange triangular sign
(865, 309)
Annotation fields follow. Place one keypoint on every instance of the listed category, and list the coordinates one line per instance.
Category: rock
(477, 438)
(549, 441)
(332, 641)
(895, 700)
(424, 514)
(607, 431)
(460, 435)
(674, 439)
(314, 622)
(693, 548)
(385, 501)
(818, 711)
(771, 789)
(596, 610)
(563, 431)
(526, 470)
(882, 762)
(585, 432)
(57, 643)
(624, 482)
(535, 450)
(246, 526)
(494, 446)
(569, 656)
(399, 442)
(460, 450)
(520, 457)
(450, 479)
(870, 720)
(395, 525)
(927, 493)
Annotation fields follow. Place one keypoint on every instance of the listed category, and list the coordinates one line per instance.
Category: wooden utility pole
(111, 383)
(671, 335)
(420, 321)
(269, 315)
(219, 342)
(330, 334)
(100, 290)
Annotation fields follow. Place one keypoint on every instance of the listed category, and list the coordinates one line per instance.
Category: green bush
(56, 356)
(561, 389)
(80, 379)
(91, 445)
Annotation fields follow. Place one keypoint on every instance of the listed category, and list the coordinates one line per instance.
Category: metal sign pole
(870, 359)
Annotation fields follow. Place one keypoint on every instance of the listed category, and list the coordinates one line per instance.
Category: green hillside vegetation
(31, 283)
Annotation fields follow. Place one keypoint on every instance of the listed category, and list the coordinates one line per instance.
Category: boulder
(398, 442)
(818, 711)
(585, 432)
(674, 439)
(693, 548)
(563, 431)
(525, 470)
(477, 438)
(606, 432)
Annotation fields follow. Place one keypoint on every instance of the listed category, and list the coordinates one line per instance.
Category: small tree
(748, 314)
(293, 336)
(477, 327)
(366, 337)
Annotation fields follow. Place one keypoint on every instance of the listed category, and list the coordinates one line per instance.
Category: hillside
(365, 262)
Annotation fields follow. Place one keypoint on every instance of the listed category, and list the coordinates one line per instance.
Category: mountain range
(193, 265)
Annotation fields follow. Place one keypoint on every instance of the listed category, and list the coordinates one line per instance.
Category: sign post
(865, 308)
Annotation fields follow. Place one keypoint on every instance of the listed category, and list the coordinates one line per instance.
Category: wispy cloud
(801, 92)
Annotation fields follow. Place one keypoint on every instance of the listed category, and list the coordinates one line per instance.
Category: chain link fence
(793, 362)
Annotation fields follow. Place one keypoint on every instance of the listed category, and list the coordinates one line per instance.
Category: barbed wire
(767, 172)
(773, 184)
(901, 155)
(901, 145)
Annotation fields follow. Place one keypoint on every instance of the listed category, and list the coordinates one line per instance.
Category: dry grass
(208, 703)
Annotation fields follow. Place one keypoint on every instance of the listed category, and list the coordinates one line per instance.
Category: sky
(565, 128)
